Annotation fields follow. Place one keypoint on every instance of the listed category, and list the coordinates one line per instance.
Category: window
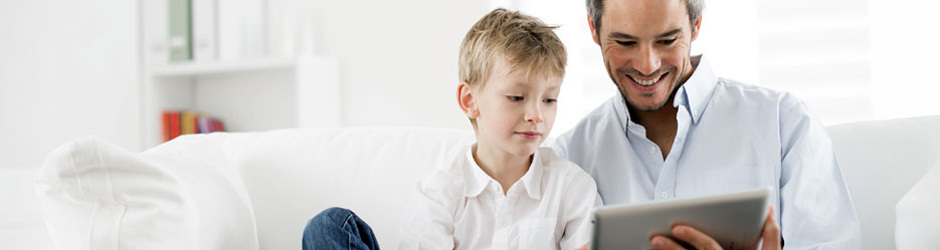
(848, 60)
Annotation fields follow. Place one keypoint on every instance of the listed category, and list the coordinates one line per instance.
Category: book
(204, 125)
(180, 30)
(174, 124)
(156, 32)
(166, 126)
(217, 126)
(187, 123)
(205, 46)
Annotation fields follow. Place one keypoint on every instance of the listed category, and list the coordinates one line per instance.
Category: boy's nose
(533, 114)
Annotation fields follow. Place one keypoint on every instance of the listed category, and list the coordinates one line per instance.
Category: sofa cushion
(181, 195)
(917, 216)
(21, 223)
(881, 161)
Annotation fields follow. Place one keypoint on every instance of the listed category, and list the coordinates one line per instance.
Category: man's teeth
(647, 82)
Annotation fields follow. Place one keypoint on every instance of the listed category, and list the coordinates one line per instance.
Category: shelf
(223, 67)
(247, 95)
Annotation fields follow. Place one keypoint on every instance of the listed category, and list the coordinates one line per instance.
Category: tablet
(734, 220)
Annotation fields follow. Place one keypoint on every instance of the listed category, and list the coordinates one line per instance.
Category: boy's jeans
(338, 228)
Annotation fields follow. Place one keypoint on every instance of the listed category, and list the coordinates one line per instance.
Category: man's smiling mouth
(649, 82)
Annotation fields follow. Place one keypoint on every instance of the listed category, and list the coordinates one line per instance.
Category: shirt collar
(477, 180)
(697, 91)
(694, 94)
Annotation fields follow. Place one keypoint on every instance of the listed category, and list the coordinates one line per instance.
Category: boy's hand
(770, 234)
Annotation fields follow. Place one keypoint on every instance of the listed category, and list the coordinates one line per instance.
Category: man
(676, 130)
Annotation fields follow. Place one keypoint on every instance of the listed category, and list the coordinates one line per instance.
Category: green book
(181, 35)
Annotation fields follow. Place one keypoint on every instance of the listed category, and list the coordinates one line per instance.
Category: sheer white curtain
(849, 60)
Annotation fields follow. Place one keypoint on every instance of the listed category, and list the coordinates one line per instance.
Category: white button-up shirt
(731, 136)
(461, 207)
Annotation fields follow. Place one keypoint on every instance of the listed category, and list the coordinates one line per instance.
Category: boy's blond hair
(523, 41)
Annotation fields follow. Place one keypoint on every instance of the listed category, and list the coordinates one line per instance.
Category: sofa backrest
(291, 175)
(881, 161)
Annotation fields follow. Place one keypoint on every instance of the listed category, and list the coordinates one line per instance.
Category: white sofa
(257, 190)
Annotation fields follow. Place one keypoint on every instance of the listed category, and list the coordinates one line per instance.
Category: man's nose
(648, 61)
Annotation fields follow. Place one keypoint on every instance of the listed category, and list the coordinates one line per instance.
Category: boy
(505, 192)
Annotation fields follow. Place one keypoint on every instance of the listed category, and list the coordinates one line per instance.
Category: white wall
(905, 56)
(67, 69)
(398, 58)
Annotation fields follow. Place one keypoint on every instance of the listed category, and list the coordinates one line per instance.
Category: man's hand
(770, 234)
(585, 246)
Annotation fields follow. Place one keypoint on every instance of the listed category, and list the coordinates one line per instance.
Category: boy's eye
(550, 100)
(514, 98)
(626, 43)
(667, 42)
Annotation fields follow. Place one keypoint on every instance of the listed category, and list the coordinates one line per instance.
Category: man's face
(645, 44)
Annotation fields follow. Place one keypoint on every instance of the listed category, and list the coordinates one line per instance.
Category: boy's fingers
(771, 232)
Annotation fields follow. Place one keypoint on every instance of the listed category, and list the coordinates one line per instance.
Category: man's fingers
(665, 243)
(771, 232)
(695, 238)
(585, 246)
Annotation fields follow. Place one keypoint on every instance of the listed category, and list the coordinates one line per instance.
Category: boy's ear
(467, 101)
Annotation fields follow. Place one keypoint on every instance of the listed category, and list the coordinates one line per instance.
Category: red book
(166, 126)
(174, 124)
(217, 125)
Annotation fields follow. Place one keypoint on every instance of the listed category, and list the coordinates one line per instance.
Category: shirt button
(664, 195)
(503, 223)
(653, 150)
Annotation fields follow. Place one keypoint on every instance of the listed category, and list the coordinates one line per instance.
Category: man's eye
(626, 43)
(550, 101)
(514, 98)
(668, 42)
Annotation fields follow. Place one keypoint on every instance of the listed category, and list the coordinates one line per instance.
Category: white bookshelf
(247, 95)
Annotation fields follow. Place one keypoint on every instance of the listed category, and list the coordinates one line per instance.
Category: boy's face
(515, 113)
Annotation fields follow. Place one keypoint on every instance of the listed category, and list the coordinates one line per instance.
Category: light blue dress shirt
(731, 137)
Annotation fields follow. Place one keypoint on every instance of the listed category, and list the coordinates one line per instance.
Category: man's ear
(593, 30)
(696, 26)
(467, 100)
